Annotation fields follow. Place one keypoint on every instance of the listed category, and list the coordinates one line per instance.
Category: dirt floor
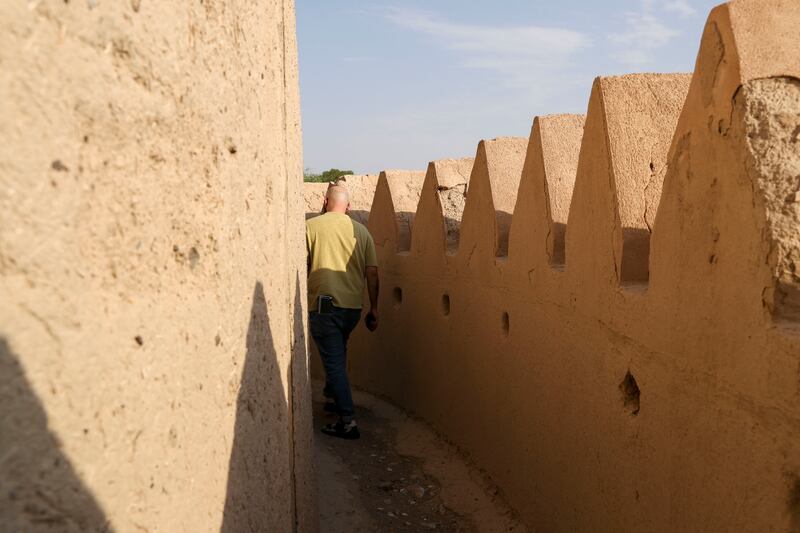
(400, 476)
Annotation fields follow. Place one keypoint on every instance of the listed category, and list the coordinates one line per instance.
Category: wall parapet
(638, 340)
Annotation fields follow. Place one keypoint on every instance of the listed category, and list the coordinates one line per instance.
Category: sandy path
(340, 507)
(400, 476)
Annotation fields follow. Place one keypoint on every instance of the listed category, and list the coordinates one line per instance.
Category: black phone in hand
(325, 305)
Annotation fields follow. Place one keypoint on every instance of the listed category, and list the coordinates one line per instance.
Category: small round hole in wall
(397, 296)
(446, 304)
(506, 324)
(630, 394)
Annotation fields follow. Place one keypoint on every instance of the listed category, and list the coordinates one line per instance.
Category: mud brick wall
(608, 324)
(153, 370)
(361, 188)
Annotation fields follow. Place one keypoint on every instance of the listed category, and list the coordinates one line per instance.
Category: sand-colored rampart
(360, 187)
(621, 354)
(152, 351)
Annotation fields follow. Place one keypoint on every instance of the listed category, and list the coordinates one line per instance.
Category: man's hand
(371, 320)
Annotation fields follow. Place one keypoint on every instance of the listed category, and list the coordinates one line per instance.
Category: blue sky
(398, 83)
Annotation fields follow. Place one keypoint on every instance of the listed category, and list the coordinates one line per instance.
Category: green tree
(325, 177)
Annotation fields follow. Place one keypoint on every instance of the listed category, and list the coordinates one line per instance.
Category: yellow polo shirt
(339, 251)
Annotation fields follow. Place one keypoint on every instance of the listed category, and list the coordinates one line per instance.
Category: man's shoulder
(358, 225)
(360, 228)
(337, 223)
(315, 221)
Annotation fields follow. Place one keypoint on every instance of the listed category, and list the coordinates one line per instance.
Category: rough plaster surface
(493, 185)
(399, 192)
(629, 126)
(361, 188)
(452, 177)
(641, 112)
(442, 201)
(313, 196)
(453, 200)
(152, 351)
(545, 189)
(671, 408)
(771, 119)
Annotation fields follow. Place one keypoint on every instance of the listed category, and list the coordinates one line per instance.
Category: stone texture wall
(360, 187)
(153, 368)
(631, 362)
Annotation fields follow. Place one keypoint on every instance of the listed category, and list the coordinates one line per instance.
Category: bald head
(337, 199)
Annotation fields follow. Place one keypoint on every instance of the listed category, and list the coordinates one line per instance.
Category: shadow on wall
(635, 255)
(299, 351)
(304, 481)
(260, 493)
(39, 489)
(503, 227)
(452, 229)
(405, 223)
(559, 256)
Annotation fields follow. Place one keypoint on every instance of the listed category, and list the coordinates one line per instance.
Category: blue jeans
(330, 332)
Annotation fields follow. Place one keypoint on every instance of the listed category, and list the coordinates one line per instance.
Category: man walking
(341, 255)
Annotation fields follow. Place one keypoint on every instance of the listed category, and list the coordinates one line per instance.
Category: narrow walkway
(400, 476)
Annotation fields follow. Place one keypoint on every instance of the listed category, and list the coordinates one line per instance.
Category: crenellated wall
(361, 188)
(609, 324)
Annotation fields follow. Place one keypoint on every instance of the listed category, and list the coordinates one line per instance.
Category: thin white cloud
(681, 7)
(634, 57)
(644, 33)
(519, 54)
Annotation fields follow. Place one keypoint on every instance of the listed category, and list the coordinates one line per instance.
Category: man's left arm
(373, 288)
(373, 283)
